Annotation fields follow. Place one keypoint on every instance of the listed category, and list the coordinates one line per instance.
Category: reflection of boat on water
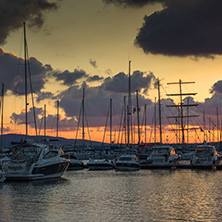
(127, 163)
(205, 155)
(100, 164)
(35, 161)
(2, 176)
(75, 163)
(163, 155)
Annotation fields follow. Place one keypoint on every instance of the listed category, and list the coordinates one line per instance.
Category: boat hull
(41, 172)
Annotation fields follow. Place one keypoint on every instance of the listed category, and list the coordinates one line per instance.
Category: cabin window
(50, 154)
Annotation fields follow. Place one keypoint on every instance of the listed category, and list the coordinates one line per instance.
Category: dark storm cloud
(70, 78)
(94, 78)
(12, 73)
(119, 83)
(44, 95)
(14, 12)
(97, 99)
(217, 87)
(183, 28)
(93, 63)
(133, 3)
(51, 120)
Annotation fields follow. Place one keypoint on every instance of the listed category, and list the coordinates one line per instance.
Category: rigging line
(40, 125)
(80, 112)
(105, 127)
(152, 124)
(196, 133)
(30, 80)
(169, 123)
(88, 129)
(120, 125)
(209, 118)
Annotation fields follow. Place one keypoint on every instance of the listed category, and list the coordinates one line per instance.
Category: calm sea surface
(145, 195)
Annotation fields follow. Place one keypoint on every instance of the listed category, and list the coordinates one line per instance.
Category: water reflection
(145, 195)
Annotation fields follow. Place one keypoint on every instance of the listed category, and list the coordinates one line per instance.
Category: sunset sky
(76, 44)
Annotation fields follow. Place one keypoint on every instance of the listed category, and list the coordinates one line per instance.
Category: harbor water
(145, 195)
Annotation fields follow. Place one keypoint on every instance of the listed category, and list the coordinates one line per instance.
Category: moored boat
(205, 155)
(99, 164)
(127, 163)
(163, 155)
(35, 161)
(75, 163)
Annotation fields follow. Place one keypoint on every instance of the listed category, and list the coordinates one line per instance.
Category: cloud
(93, 63)
(69, 78)
(139, 80)
(217, 87)
(97, 99)
(94, 78)
(13, 74)
(183, 28)
(44, 95)
(133, 3)
(65, 124)
(13, 13)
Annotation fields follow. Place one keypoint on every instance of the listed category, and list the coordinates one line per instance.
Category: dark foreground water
(146, 195)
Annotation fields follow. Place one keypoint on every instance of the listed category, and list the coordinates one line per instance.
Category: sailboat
(32, 161)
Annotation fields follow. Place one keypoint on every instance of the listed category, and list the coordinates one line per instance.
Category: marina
(144, 195)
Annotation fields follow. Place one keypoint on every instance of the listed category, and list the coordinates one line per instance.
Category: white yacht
(127, 163)
(205, 155)
(163, 155)
(75, 163)
(99, 164)
(35, 161)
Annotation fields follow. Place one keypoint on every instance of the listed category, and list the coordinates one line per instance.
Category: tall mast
(145, 122)
(160, 120)
(218, 125)
(57, 125)
(83, 115)
(181, 105)
(155, 122)
(110, 121)
(26, 103)
(44, 122)
(125, 118)
(129, 109)
(2, 105)
(138, 116)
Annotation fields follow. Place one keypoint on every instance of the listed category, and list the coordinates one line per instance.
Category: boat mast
(57, 125)
(129, 109)
(145, 122)
(138, 116)
(160, 120)
(125, 118)
(83, 115)
(44, 122)
(2, 105)
(110, 122)
(26, 103)
(181, 105)
(155, 122)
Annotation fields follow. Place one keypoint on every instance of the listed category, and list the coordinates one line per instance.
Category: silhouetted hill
(8, 138)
